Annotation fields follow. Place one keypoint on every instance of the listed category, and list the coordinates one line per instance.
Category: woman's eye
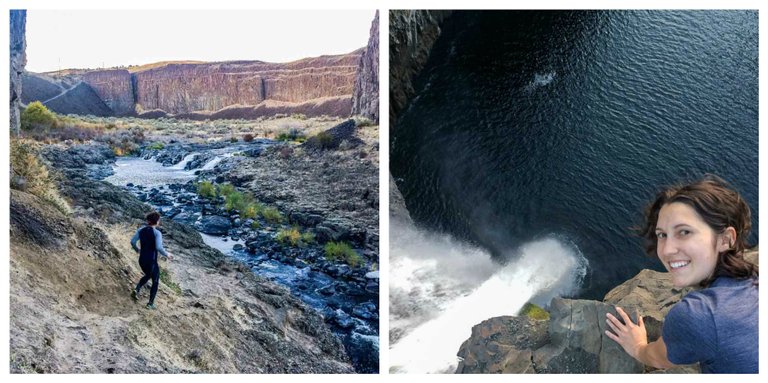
(661, 235)
(684, 232)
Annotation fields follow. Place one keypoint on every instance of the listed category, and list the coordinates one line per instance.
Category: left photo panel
(194, 191)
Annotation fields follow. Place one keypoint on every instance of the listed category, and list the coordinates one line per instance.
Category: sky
(64, 39)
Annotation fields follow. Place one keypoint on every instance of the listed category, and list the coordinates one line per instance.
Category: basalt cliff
(18, 60)
(365, 100)
(234, 89)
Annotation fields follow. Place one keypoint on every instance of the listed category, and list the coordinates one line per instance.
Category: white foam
(183, 163)
(444, 272)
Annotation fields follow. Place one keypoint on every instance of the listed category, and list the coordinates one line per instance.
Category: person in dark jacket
(151, 244)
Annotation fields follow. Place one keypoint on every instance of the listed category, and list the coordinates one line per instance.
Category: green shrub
(235, 200)
(30, 175)
(206, 189)
(36, 115)
(233, 139)
(361, 121)
(255, 225)
(291, 236)
(299, 116)
(225, 189)
(342, 251)
(272, 215)
(156, 146)
(250, 211)
(307, 238)
(534, 312)
(324, 140)
(291, 134)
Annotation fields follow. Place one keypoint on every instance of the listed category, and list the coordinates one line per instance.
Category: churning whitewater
(443, 287)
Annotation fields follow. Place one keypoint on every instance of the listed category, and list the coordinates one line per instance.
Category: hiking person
(151, 241)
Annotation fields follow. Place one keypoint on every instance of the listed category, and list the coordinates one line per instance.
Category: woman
(699, 232)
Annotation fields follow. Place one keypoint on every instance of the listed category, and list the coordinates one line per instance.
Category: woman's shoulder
(723, 293)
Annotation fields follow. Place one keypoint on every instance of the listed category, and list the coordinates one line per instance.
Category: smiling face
(686, 245)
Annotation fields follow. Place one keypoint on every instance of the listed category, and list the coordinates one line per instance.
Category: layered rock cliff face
(365, 100)
(115, 89)
(185, 88)
(18, 44)
(235, 89)
(411, 36)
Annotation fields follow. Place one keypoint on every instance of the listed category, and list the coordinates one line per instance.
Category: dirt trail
(63, 93)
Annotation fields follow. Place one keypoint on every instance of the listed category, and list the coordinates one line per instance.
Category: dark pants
(151, 270)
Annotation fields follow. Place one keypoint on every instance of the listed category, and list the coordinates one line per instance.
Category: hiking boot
(151, 306)
(134, 296)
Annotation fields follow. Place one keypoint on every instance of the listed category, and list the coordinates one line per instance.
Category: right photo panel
(573, 191)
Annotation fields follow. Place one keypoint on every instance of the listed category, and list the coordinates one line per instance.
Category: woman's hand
(631, 337)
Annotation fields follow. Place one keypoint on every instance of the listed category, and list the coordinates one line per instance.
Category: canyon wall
(411, 36)
(234, 89)
(18, 59)
(114, 88)
(182, 88)
(365, 100)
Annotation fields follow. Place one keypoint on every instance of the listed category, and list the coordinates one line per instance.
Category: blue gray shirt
(717, 327)
(158, 241)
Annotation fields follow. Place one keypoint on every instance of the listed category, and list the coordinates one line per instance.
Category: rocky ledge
(572, 340)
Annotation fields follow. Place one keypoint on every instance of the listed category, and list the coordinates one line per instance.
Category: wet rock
(185, 217)
(214, 225)
(342, 319)
(365, 310)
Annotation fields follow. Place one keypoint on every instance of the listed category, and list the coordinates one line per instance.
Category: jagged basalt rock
(365, 99)
(502, 345)
(114, 88)
(411, 36)
(571, 341)
(18, 21)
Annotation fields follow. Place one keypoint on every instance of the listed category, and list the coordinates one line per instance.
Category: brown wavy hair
(720, 207)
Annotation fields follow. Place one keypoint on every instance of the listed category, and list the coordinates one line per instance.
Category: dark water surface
(532, 123)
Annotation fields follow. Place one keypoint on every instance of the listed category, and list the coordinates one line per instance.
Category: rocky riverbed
(328, 190)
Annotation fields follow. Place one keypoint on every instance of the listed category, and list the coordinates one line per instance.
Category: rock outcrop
(365, 100)
(397, 208)
(18, 43)
(502, 345)
(79, 99)
(411, 36)
(574, 340)
(115, 88)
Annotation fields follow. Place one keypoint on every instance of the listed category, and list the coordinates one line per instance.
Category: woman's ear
(726, 239)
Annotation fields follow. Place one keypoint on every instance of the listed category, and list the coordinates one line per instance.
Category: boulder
(502, 345)
(578, 341)
(214, 225)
